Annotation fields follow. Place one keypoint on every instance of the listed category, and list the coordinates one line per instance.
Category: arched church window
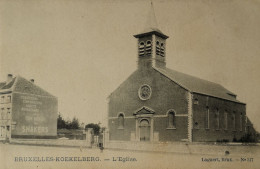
(241, 121)
(148, 47)
(225, 120)
(217, 119)
(162, 49)
(196, 101)
(234, 120)
(171, 120)
(207, 118)
(120, 121)
(141, 48)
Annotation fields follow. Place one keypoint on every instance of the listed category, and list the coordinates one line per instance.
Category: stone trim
(144, 107)
(173, 128)
(120, 113)
(153, 50)
(155, 116)
(125, 117)
(190, 118)
(177, 115)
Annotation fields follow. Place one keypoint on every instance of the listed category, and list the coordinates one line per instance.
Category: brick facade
(214, 132)
(165, 96)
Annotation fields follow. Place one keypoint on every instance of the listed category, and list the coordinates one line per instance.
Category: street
(25, 156)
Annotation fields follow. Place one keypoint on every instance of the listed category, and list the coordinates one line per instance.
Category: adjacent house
(26, 110)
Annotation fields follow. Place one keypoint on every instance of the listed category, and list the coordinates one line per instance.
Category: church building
(158, 104)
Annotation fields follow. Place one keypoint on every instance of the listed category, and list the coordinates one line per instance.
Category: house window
(8, 113)
(234, 121)
(8, 99)
(241, 121)
(171, 120)
(2, 113)
(225, 120)
(207, 118)
(217, 119)
(2, 99)
(120, 121)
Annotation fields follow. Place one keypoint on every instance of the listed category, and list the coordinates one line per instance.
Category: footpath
(175, 147)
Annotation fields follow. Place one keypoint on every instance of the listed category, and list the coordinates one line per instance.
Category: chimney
(9, 78)
(32, 80)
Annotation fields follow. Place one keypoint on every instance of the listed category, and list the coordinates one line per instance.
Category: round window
(145, 92)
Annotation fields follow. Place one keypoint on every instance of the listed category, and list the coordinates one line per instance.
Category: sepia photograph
(169, 84)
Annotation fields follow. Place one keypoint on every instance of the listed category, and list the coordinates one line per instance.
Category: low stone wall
(185, 148)
(52, 142)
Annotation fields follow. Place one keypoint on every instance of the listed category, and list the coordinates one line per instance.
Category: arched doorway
(144, 130)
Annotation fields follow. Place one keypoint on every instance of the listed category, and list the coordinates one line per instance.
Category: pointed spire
(151, 19)
(151, 25)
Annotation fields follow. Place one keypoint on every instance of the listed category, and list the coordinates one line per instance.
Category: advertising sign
(34, 115)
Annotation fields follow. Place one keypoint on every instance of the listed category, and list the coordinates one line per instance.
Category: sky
(81, 51)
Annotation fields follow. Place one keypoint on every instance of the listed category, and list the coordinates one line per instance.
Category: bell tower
(151, 44)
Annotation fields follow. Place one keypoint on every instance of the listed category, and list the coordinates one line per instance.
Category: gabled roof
(25, 86)
(20, 84)
(7, 85)
(197, 85)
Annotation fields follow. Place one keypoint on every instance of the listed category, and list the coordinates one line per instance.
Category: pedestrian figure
(101, 147)
(100, 143)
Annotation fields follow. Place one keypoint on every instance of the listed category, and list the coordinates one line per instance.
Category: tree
(67, 124)
(95, 127)
(61, 123)
(75, 123)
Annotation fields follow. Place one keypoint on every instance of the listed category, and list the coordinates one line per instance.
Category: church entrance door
(144, 130)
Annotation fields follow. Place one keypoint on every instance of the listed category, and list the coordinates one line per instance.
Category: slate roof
(20, 84)
(151, 25)
(197, 85)
(7, 86)
(151, 31)
(2, 84)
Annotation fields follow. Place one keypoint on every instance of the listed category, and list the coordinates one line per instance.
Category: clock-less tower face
(145, 92)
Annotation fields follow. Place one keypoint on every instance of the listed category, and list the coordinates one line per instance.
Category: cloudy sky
(80, 51)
